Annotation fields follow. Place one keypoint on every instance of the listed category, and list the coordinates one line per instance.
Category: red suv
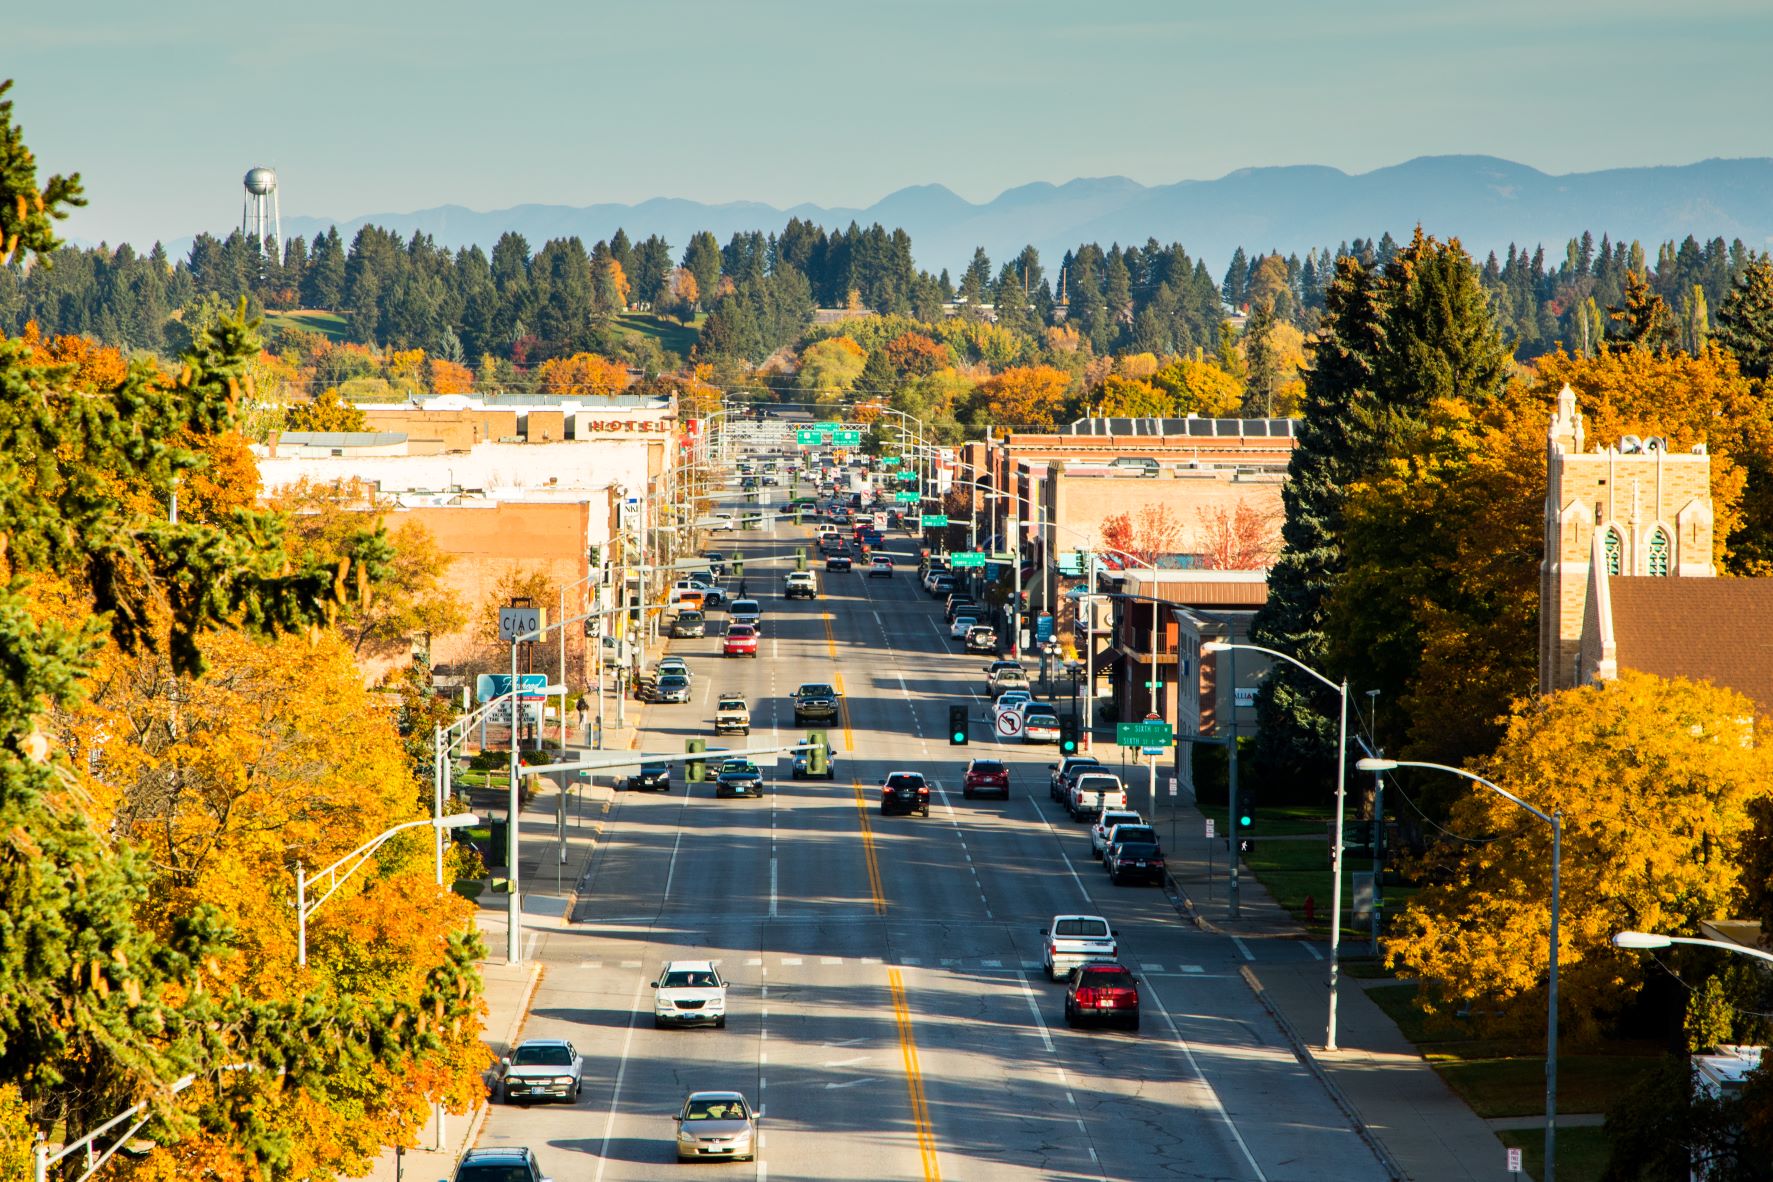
(1104, 991)
(741, 641)
(986, 775)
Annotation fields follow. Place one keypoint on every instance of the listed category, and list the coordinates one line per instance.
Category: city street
(888, 1012)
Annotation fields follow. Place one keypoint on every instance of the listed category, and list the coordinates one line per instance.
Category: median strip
(869, 858)
(920, 1108)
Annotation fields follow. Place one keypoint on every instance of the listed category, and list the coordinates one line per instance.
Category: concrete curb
(480, 1114)
(1305, 1057)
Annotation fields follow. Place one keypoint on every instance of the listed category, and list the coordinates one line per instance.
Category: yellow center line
(869, 857)
(920, 1108)
(830, 638)
(843, 705)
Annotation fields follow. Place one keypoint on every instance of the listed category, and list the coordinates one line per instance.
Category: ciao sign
(659, 426)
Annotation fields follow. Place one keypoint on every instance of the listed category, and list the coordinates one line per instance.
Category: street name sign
(935, 520)
(1144, 734)
(966, 558)
(907, 498)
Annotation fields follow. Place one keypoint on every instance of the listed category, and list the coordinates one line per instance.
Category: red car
(741, 641)
(1102, 990)
(986, 775)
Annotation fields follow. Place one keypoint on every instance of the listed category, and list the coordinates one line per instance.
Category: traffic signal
(1246, 821)
(957, 726)
(818, 760)
(1068, 736)
(695, 769)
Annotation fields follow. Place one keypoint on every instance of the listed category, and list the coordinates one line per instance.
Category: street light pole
(1556, 821)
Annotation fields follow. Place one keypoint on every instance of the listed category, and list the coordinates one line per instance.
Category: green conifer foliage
(1745, 321)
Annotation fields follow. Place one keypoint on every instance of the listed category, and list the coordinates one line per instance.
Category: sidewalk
(1419, 1128)
(551, 889)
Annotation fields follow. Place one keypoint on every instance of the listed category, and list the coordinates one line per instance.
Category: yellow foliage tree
(582, 373)
(829, 368)
(1655, 780)
(1119, 397)
(326, 412)
(1023, 396)
(1200, 387)
(449, 377)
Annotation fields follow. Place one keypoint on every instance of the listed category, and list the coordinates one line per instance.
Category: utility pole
(1231, 826)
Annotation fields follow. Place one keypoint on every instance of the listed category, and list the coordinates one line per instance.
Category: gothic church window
(1610, 542)
(1659, 553)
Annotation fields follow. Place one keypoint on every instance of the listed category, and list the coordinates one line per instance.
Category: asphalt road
(888, 1011)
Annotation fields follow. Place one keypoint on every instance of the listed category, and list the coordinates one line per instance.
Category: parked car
(905, 792)
(1102, 991)
(1001, 678)
(941, 585)
(1093, 791)
(716, 562)
(673, 665)
(650, 777)
(986, 775)
(504, 1163)
(739, 777)
(718, 1125)
(961, 625)
(672, 687)
(732, 715)
(1135, 861)
(541, 1069)
(800, 584)
(741, 641)
(689, 993)
(1105, 823)
(688, 625)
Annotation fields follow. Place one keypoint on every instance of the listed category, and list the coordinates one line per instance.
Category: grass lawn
(1295, 869)
(672, 336)
(330, 325)
(1582, 1152)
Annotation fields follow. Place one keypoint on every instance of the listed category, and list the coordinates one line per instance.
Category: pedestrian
(741, 588)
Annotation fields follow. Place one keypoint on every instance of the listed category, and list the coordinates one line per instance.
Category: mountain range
(1485, 201)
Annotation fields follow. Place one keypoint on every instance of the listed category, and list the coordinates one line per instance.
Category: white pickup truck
(732, 714)
(1091, 792)
(1070, 940)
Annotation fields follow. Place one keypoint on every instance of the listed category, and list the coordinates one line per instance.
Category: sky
(395, 105)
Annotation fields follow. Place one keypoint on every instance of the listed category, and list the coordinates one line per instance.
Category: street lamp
(1649, 940)
(1556, 821)
(1219, 646)
(361, 854)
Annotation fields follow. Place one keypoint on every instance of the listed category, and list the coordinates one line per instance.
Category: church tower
(1632, 507)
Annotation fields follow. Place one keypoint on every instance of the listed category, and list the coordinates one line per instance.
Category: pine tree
(1745, 321)
(1643, 319)
(1237, 279)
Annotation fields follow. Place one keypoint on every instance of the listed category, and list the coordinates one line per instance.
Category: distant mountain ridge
(1485, 201)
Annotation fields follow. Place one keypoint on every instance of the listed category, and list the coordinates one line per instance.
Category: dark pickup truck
(815, 702)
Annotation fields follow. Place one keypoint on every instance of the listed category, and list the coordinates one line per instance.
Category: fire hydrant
(1310, 908)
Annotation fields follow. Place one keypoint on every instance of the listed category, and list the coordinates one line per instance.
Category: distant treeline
(759, 291)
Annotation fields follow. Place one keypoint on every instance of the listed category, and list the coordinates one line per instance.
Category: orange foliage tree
(582, 373)
(449, 377)
(1147, 533)
(1023, 396)
(1242, 537)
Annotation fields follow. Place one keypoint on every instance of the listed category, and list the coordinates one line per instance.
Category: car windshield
(732, 704)
(689, 979)
(1080, 927)
(689, 617)
(807, 691)
(654, 769)
(1040, 718)
(741, 606)
(528, 1056)
(741, 631)
(1116, 978)
(722, 1109)
(1134, 832)
(1110, 820)
(493, 1172)
(673, 681)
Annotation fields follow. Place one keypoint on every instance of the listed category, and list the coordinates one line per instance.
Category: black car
(502, 1164)
(739, 777)
(981, 638)
(840, 563)
(651, 777)
(1135, 861)
(716, 562)
(815, 701)
(905, 792)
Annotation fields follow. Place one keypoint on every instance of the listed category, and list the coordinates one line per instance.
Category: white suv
(689, 993)
(1107, 821)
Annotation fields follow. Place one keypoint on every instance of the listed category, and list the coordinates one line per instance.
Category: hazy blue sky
(394, 105)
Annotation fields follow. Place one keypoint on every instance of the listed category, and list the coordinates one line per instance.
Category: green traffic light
(1244, 820)
(960, 736)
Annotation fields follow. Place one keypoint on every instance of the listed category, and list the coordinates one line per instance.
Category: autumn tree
(326, 411)
(1239, 537)
(1024, 396)
(1150, 532)
(1745, 319)
(1198, 386)
(582, 374)
(450, 377)
(1655, 780)
(830, 368)
(1119, 397)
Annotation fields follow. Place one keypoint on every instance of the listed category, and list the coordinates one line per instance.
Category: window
(1610, 543)
(1659, 553)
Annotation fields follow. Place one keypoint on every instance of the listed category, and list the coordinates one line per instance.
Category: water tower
(260, 218)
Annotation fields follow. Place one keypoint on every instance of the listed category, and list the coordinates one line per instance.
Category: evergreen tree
(1237, 280)
(1745, 321)
(1643, 319)
(701, 258)
(976, 282)
(323, 280)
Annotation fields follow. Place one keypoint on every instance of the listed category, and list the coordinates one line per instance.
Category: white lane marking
(1242, 947)
(790, 960)
(991, 964)
(1072, 870)
(1194, 1065)
(753, 961)
(849, 1083)
(772, 888)
(1312, 948)
(849, 1062)
(670, 870)
(846, 1042)
(631, 964)
(529, 948)
(1040, 1023)
(615, 1096)
(831, 960)
(877, 960)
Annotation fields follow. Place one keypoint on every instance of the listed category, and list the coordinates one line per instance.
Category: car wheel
(720, 1022)
(1070, 1015)
(1133, 1022)
(578, 1089)
(1095, 853)
(966, 793)
(658, 1022)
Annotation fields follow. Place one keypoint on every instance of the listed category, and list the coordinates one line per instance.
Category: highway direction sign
(935, 520)
(965, 558)
(907, 498)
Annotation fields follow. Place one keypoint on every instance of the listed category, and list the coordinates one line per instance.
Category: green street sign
(807, 438)
(848, 438)
(889, 461)
(1144, 734)
(965, 558)
(1154, 685)
(907, 498)
(827, 426)
(935, 520)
